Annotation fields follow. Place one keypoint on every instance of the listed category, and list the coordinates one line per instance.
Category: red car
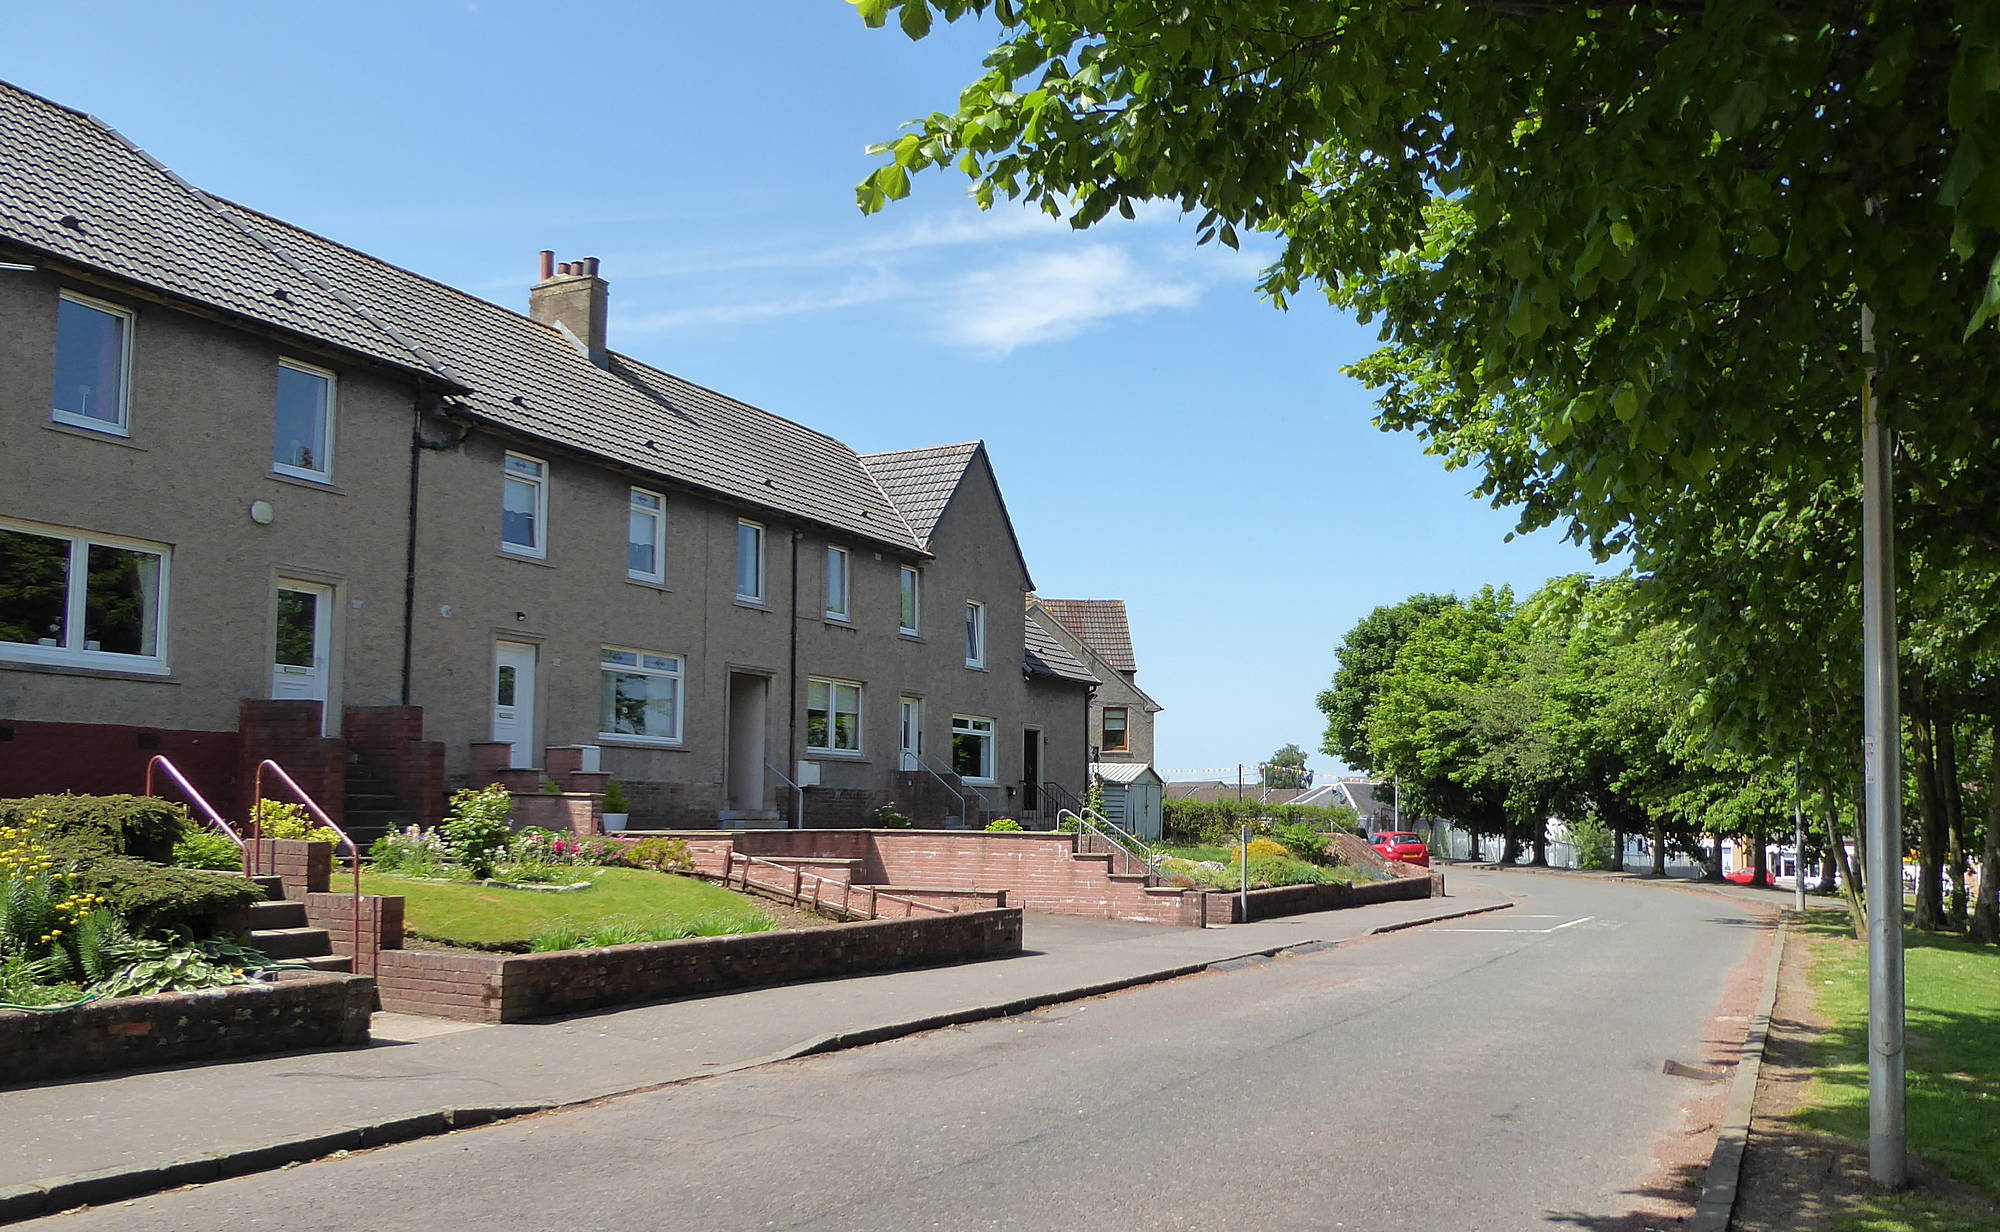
(1402, 845)
(1748, 876)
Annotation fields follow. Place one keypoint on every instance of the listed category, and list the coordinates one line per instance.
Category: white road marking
(1558, 928)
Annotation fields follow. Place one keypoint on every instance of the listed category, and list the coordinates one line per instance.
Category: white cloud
(882, 285)
(1049, 296)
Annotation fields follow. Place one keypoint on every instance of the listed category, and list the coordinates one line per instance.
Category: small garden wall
(1224, 907)
(512, 987)
(309, 1011)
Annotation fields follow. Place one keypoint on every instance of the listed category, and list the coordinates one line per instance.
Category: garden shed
(1132, 795)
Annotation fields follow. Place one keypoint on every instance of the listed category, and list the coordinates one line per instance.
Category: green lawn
(482, 917)
(1953, 1051)
(1220, 855)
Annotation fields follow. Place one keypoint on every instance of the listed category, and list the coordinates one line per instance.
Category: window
(833, 716)
(646, 538)
(836, 583)
(911, 607)
(975, 635)
(972, 748)
(639, 696)
(524, 507)
(1114, 729)
(93, 364)
(71, 598)
(749, 562)
(304, 417)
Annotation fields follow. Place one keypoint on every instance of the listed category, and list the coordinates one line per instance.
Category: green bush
(1203, 822)
(1004, 825)
(1596, 849)
(284, 819)
(142, 826)
(664, 855)
(614, 797)
(476, 832)
(154, 898)
(210, 849)
(1304, 840)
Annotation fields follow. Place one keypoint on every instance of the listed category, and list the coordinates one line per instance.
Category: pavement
(99, 1139)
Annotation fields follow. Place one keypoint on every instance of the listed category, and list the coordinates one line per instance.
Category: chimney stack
(574, 299)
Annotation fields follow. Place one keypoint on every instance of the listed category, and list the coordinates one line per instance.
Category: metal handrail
(1124, 842)
(799, 877)
(798, 794)
(187, 789)
(923, 761)
(319, 815)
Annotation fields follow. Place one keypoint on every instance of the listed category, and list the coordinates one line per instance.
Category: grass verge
(482, 917)
(1952, 1021)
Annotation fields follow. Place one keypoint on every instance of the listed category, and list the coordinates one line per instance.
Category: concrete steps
(279, 930)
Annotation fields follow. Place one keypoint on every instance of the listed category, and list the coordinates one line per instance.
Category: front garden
(475, 882)
(90, 909)
(1289, 854)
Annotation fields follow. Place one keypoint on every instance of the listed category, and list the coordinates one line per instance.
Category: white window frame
(658, 514)
(73, 653)
(963, 725)
(975, 633)
(833, 712)
(911, 579)
(540, 482)
(128, 318)
(321, 474)
(840, 605)
(756, 597)
(677, 674)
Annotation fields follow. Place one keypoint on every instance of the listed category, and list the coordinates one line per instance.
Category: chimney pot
(590, 266)
(548, 264)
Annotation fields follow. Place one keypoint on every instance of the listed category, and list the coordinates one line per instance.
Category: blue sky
(1162, 435)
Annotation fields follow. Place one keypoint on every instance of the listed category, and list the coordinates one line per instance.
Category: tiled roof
(136, 220)
(1048, 657)
(72, 187)
(921, 481)
(1099, 624)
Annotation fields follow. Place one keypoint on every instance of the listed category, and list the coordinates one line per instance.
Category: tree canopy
(1286, 769)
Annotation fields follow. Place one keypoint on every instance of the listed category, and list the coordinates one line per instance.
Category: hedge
(139, 826)
(1205, 822)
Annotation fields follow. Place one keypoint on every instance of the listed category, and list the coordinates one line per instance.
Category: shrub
(887, 816)
(568, 935)
(1304, 840)
(284, 819)
(476, 832)
(614, 797)
(208, 849)
(1004, 825)
(664, 855)
(1261, 849)
(551, 788)
(141, 826)
(48, 920)
(1596, 849)
(153, 898)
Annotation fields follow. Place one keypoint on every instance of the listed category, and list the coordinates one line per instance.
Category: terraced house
(264, 495)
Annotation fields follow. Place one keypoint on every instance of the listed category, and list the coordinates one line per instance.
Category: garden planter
(614, 823)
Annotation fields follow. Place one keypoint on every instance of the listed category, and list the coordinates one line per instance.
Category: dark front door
(1031, 770)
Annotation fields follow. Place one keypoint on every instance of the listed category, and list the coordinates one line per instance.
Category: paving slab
(136, 1131)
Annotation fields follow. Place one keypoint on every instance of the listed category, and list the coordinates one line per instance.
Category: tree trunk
(1985, 913)
(1930, 825)
(1510, 852)
(1541, 845)
(1715, 870)
(1850, 875)
(1954, 813)
(1659, 850)
(1617, 850)
(1761, 866)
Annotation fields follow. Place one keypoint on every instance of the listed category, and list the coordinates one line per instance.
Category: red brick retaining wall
(310, 1011)
(101, 759)
(511, 987)
(304, 867)
(1224, 906)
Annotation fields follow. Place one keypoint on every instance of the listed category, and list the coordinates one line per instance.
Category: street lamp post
(1882, 784)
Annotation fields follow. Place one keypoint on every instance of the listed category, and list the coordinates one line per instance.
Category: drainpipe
(792, 681)
(410, 543)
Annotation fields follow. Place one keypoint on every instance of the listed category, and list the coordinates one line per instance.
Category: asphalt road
(1500, 1072)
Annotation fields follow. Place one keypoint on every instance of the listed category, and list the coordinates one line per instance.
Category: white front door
(301, 644)
(913, 733)
(514, 700)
